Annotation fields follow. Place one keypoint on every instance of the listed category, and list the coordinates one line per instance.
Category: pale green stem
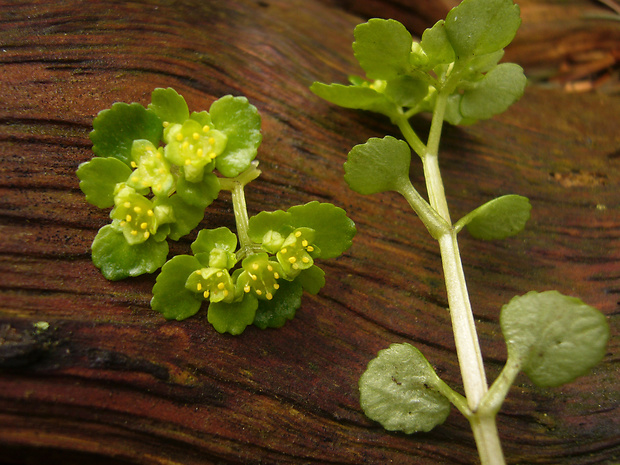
(463, 324)
(236, 186)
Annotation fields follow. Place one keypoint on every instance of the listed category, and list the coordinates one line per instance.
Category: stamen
(305, 260)
(134, 233)
(196, 136)
(292, 259)
(188, 162)
(128, 218)
(206, 294)
(283, 251)
(211, 140)
(255, 266)
(185, 145)
(198, 286)
(295, 266)
(200, 152)
(304, 243)
(259, 292)
(221, 286)
(166, 124)
(226, 293)
(179, 137)
(127, 204)
(219, 274)
(246, 288)
(269, 268)
(269, 296)
(253, 276)
(134, 164)
(137, 209)
(147, 234)
(150, 213)
(144, 225)
(277, 276)
(297, 233)
(310, 248)
(276, 286)
(205, 128)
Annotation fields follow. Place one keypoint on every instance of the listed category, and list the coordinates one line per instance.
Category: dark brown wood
(112, 382)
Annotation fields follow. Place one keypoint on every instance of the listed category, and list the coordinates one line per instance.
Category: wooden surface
(112, 382)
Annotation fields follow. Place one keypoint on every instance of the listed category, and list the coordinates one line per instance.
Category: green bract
(500, 218)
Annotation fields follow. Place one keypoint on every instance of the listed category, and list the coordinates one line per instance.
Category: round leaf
(378, 165)
(334, 231)
(186, 216)
(233, 317)
(436, 45)
(115, 129)
(477, 27)
(170, 297)
(383, 47)
(555, 338)
(355, 97)
(169, 105)
(199, 194)
(397, 390)
(118, 260)
(99, 177)
(500, 88)
(311, 279)
(500, 218)
(208, 239)
(240, 121)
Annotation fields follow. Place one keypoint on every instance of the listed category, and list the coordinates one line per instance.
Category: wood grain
(111, 382)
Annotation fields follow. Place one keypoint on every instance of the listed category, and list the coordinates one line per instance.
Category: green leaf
(276, 312)
(170, 297)
(186, 216)
(500, 88)
(199, 194)
(118, 260)
(169, 105)
(476, 27)
(553, 337)
(382, 48)
(378, 165)
(311, 279)
(98, 178)
(209, 239)
(406, 91)
(398, 389)
(356, 97)
(500, 218)
(334, 231)
(436, 45)
(233, 317)
(240, 121)
(266, 222)
(115, 129)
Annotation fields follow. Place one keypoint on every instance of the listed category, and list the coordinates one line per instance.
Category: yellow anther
(147, 234)
(246, 289)
(269, 268)
(200, 152)
(305, 260)
(276, 286)
(221, 286)
(135, 179)
(277, 276)
(144, 225)
(134, 164)
(150, 213)
(283, 251)
(166, 124)
(253, 276)
(128, 218)
(179, 137)
(212, 155)
(198, 286)
(185, 145)
(304, 243)
(127, 204)
(269, 295)
(134, 233)
(219, 274)
(205, 128)
(310, 248)
(292, 259)
(295, 266)
(188, 162)
(196, 136)
(297, 233)
(255, 266)
(145, 184)
(206, 294)
(211, 140)
(137, 209)
(226, 293)
(258, 292)
(123, 223)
